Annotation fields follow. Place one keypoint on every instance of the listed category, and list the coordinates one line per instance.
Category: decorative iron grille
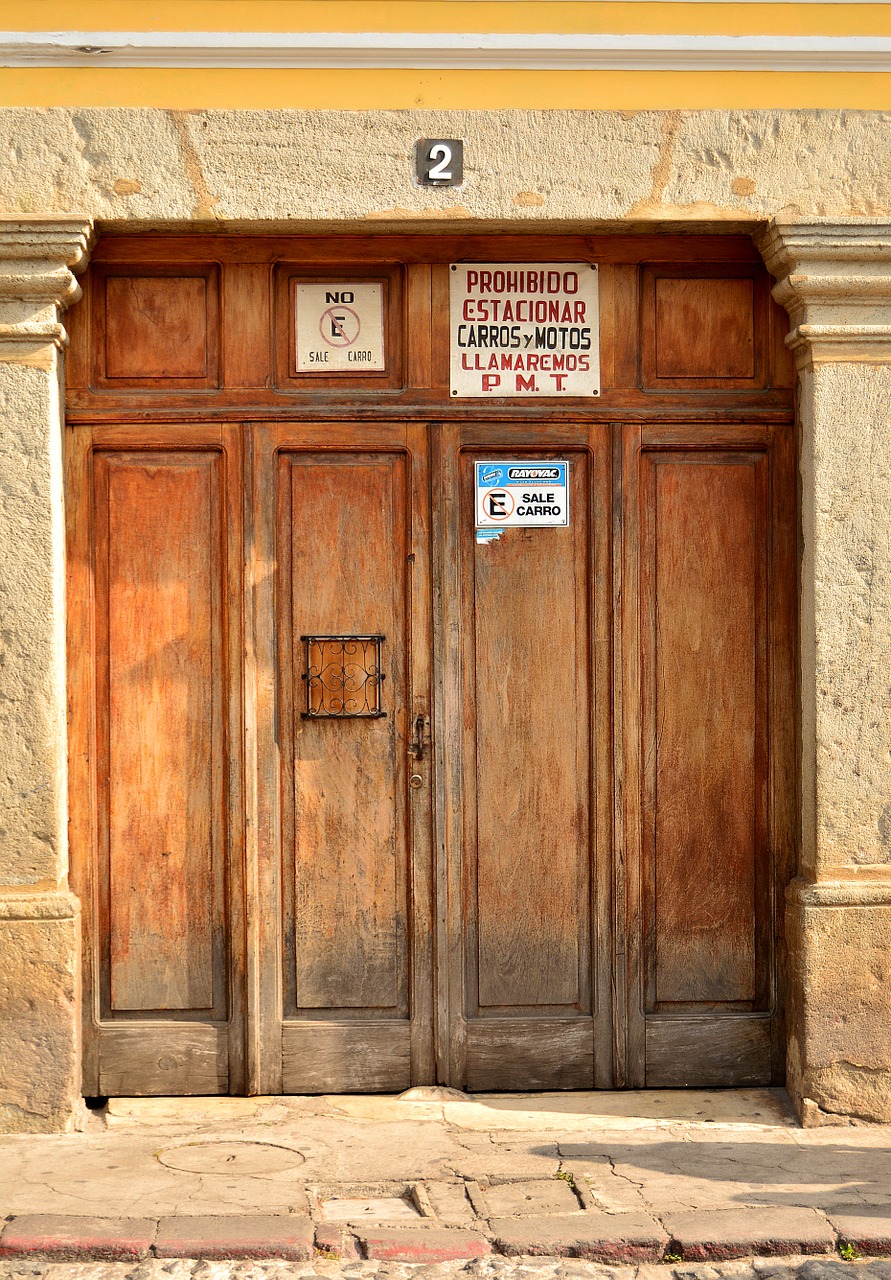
(343, 677)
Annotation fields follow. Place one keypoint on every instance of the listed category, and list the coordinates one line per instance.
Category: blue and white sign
(515, 494)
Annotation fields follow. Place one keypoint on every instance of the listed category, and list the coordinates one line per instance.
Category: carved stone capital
(834, 279)
(39, 259)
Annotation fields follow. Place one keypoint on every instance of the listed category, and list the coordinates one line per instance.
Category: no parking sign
(515, 494)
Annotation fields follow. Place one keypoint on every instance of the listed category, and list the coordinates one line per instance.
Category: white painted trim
(444, 50)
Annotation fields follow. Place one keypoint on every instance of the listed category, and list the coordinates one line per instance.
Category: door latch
(416, 750)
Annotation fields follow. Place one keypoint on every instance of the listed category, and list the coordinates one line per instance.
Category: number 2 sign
(439, 162)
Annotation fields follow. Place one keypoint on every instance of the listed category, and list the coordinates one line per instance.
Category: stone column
(835, 281)
(39, 925)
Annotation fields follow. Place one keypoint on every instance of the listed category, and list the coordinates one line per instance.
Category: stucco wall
(160, 167)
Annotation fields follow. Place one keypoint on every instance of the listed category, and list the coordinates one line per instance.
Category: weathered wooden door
(360, 801)
(526, 754)
(342, 661)
(155, 769)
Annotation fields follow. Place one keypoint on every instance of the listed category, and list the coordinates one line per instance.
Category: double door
(360, 801)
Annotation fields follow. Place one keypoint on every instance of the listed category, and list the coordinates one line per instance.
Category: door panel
(156, 557)
(353, 841)
(705, 715)
(527, 866)
(703, 626)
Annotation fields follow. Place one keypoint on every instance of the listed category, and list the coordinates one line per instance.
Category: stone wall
(159, 167)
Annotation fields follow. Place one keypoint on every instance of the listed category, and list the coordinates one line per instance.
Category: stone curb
(422, 1244)
(598, 1237)
(703, 1235)
(218, 1238)
(630, 1238)
(70, 1238)
(866, 1227)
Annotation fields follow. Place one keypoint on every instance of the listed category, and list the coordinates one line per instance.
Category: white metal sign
(524, 329)
(516, 493)
(340, 327)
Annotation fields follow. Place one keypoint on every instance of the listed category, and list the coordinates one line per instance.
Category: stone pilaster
(835, 281)
(39, 926)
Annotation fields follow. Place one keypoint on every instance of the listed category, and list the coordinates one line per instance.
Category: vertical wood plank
(82, 800)
(626, 326)
(601, 747)
(451, 992)
(247, 325)
(627, 714)
(701, 597)
(527, 595)
(606, 277)
(440, 277)
(421, 800)
(419, 332)
(784, 719)
(346, 525)
(163, 542)
(263, 773)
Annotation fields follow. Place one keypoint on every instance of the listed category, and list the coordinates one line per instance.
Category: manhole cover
(230, 1157)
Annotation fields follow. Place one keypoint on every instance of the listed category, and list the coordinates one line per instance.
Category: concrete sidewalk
(624, 1179)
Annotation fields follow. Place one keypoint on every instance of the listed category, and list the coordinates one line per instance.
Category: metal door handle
(417, 747)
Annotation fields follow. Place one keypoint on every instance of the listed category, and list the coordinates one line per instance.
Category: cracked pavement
(460, 1162)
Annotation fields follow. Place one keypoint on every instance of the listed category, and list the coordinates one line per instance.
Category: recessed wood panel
(704, 576)
(695, 1053)
(703, 331)
(529, 853)
(160, 548)
(343, 528)
(156, 330)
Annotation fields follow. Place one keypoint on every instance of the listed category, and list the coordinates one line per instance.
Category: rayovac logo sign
(535, 473)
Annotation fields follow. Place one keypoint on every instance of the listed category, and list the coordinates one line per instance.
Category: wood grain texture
(526, 863)
(705, 328)
(703, 725)
(155, 716)
(529, 600)
(161, 546)
(342, 528)
(156, 328)
(322, 250)
(190, 1059)
(351, 1057)
(691, 1053)
(394, 908)
(346, 528)
(526, 1053)
(247, 327)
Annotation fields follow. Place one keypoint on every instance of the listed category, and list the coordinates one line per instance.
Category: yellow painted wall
(191, 89)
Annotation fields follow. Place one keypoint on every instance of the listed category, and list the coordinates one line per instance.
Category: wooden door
(526, 751)
(557, 857)
(340, 566)
(706, 748)
(155, 550)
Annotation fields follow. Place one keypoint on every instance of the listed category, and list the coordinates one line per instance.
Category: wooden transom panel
(157, 330)
(703, 330)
